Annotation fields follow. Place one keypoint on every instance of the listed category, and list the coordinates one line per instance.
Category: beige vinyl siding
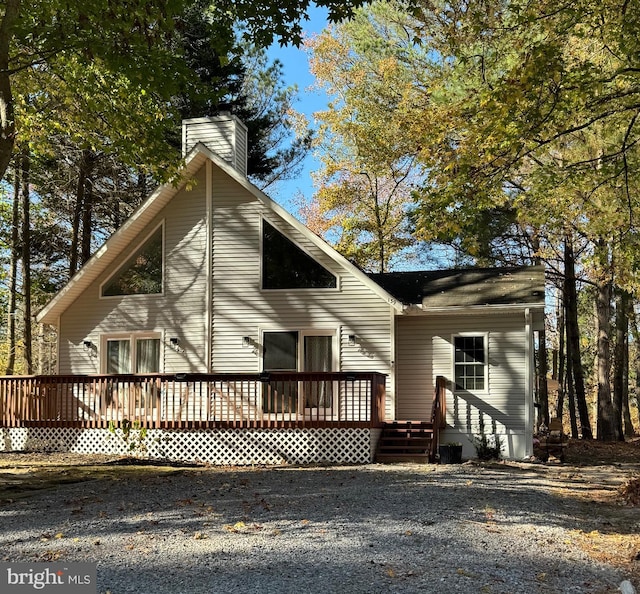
(242, 308)
(415, 380)
(178, 312)
(425, 350)
(241, 150)
(227, 138)
(239, 307)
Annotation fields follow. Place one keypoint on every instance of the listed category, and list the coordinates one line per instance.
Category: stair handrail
(438, 414)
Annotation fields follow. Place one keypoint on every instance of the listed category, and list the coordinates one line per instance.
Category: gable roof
(120, 241)
(436, 289)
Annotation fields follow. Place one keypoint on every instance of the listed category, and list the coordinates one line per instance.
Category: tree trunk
(78, 211)
(543, 370)
(573, 337)
(562, 359)
(142, 186)
(87, 225)
(7, 115)
(13, 276)
(379, 233)
(621, 362)
(26, 262)
(635, 333)
(628, 430)
(572, 405)
(606, 427)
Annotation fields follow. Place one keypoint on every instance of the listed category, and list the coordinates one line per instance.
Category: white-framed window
(470, 368)
(136, 352)
(299, 350)
(143, 272)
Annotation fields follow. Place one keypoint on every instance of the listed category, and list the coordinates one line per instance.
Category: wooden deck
(186, 400)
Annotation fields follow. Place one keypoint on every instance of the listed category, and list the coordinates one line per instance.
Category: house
(242, 337)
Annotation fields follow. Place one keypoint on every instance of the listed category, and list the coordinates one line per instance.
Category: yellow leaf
(59, 535)
(200, 536)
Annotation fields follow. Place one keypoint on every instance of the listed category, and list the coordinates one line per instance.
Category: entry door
(293, 351)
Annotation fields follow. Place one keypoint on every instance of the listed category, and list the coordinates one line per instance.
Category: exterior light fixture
(352, 339)
(246, 341)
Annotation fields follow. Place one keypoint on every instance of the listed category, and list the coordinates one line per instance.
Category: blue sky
(296, 71)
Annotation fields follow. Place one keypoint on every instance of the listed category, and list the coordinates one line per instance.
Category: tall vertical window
(280, 354)
(286, 266)
(470, 367)
(147, 355)
(119, 356)
(141, 274)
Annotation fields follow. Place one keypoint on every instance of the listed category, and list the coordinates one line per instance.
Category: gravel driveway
(365, 529)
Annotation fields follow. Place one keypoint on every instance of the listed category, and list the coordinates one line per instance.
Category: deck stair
(405, 441)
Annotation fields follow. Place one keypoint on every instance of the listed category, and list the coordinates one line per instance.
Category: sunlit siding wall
(224, 135)
(180, 312)
(425, 350)
(241, 308)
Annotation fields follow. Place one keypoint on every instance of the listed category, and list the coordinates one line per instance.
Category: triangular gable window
(142, 273)
(286, 266)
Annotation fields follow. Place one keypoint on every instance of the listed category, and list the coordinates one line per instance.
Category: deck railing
(438, 414)
(188, 400)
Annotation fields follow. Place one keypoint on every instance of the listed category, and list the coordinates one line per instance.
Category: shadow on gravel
(347, 529)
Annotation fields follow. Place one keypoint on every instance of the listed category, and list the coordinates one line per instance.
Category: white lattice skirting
(214, 446)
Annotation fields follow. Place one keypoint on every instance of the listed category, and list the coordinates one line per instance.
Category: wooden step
(407, 445)
(394, 458)
(405, 441)
(408, 425)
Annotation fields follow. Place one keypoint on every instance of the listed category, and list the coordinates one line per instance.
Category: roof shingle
(466, 287)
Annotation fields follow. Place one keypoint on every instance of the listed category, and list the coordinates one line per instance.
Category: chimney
(223, 134)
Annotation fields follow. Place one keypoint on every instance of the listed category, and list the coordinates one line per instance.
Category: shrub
(488, 447)
(132, 434)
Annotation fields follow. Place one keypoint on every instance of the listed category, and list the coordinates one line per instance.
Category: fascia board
(461, 310)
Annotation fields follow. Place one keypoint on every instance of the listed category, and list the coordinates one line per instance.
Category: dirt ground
(607, 474)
